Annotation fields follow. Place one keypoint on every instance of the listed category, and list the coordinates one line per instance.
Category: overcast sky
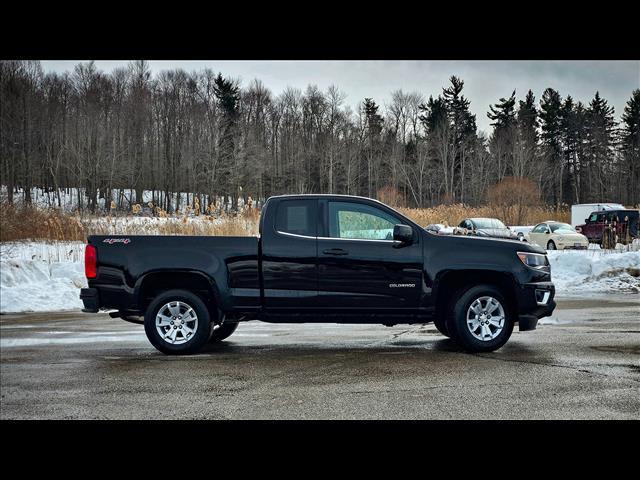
(485, 81)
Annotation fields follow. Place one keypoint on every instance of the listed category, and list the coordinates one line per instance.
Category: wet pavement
(582, 363)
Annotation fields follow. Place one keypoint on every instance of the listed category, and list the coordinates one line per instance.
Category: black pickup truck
(320, 258)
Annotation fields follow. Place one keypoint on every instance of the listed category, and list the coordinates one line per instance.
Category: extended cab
(320, 258)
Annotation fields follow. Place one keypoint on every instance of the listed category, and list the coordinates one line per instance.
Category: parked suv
(608, 227)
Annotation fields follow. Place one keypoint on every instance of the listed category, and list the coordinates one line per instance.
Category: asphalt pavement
(581, 363)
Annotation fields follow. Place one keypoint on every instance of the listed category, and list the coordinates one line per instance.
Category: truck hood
(473, 241)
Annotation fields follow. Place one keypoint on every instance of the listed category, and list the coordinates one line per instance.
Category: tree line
(205, 133)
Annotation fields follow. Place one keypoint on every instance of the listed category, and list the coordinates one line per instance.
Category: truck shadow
(397, 346)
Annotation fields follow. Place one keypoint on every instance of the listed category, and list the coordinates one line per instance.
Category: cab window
(356, 221)
(297, 217)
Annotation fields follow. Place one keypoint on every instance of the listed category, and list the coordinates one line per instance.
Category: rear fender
(211, 283)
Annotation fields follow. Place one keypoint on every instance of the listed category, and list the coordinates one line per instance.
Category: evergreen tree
(630, 143)
(551, 126)
(573, 138)
(434, 114)
(374, 120)
(527, 143)
(464, 132)
(503, 140)
(600, 141)
(227, 94)
(528, 117)
(503, 113)
(462, 120)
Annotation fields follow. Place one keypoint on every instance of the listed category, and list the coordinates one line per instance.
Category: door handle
(335, 251)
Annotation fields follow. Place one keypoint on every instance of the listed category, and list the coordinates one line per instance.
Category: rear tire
(223, 331)
(482, 320)
(177, 322)
(551, 245)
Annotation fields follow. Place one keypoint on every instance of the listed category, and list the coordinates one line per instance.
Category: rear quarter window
(297, 217)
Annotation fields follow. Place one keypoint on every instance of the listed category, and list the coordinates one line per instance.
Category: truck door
(289, 255)
(361, 269)
(595, 226)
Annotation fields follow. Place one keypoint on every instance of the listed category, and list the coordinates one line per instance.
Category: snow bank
(39, 277)
(595, 271)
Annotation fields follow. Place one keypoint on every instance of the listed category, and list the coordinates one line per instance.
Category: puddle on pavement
(634, 349)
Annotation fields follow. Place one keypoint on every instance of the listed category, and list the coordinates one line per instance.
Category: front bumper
(572, 247)
(535, 302)
(91, 299)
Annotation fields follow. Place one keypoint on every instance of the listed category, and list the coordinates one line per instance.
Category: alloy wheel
(485, 318)
(176, 322)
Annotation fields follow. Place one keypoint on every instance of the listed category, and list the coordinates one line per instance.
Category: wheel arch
(453, 281)
(154, 282)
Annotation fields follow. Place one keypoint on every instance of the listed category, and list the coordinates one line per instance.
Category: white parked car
(440, 229)
(521, 231)
(557, 236)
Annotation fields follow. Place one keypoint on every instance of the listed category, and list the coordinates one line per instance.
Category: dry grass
(204, 225)
(30, 223)
(20, 222)
(452, 215)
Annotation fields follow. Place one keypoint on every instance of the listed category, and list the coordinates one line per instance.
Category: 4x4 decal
(111, 241)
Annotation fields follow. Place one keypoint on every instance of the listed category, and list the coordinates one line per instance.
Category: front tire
(177, 322)
(481, 320)
(441, 325)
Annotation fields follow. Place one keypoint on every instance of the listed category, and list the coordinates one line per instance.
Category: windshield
(562, 227)
(488, 223)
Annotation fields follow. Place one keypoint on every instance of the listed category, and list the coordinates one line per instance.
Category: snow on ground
(69, 199)
(41, 277)
(595, 271)
(38, 276)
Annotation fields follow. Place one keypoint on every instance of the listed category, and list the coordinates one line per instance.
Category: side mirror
(403, 233)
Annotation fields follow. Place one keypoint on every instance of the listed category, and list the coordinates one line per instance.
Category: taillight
(90, 261)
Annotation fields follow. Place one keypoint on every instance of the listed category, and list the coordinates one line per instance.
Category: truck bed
(127, 260)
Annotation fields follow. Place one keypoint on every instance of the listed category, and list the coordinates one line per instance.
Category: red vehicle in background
(609, 227)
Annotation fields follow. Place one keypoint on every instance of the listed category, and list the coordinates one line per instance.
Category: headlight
(535, 260)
